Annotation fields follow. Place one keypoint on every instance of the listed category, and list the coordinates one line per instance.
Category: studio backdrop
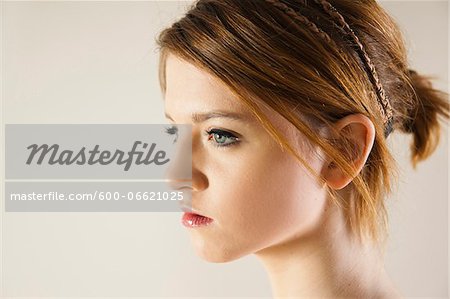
(96, 62)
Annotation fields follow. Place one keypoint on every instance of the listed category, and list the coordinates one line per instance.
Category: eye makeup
(217, 136)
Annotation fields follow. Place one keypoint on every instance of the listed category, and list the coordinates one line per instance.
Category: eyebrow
(201, 117)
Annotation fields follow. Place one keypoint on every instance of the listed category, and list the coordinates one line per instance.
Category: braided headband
(383, 100)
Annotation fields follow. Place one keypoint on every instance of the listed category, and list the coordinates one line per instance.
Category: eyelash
(222, 133)
(172, 130)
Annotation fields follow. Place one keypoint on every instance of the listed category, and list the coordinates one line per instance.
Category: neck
(327, 263)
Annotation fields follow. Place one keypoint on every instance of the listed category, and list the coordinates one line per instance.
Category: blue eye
(220, 137)
(172, 130)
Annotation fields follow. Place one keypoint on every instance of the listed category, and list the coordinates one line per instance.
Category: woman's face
(257, 194)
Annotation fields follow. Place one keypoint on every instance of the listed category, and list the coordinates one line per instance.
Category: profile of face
(257, 194)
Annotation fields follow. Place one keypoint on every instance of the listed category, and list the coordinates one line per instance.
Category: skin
(264, 202)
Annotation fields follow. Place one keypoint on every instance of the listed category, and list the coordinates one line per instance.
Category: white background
(95, 62)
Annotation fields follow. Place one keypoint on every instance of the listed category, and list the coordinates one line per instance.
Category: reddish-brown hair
(304, 63)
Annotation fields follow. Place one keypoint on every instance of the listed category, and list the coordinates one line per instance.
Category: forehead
(193, 89)
(190, 90)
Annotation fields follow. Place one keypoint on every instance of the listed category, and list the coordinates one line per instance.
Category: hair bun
(415, 77)
(422, 117)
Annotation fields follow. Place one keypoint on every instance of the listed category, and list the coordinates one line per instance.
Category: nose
(179, 177)
(178, 173)
(180, 185)
(180, 166)
(182, 172)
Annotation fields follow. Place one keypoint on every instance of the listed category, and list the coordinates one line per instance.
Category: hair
(315, 62)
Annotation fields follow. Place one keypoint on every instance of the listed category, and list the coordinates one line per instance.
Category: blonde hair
(295, 58)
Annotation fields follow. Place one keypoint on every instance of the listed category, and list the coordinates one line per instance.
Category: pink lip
(195, 220)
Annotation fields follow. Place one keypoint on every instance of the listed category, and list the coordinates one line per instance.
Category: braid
(386, 110)
(313, 27)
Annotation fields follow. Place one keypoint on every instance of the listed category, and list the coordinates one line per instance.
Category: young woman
(291, 103)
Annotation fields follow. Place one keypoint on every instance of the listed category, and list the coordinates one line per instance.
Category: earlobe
(355, 141)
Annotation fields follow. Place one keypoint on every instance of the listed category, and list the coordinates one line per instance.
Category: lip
(192, 220)
(191, 210)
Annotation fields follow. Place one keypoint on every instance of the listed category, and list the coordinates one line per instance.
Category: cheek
(258, 204)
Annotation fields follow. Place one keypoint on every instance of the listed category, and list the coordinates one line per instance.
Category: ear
(359, 131)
